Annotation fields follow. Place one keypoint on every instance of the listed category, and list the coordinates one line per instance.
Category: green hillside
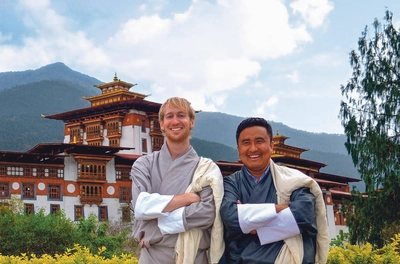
(213, 136)
(22, 124)
(54, 71)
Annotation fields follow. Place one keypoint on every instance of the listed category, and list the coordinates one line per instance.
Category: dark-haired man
(271, 213)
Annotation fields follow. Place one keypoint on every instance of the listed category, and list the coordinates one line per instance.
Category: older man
(271, 214)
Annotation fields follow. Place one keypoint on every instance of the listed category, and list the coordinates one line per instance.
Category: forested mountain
(34, 93)
(55, 71)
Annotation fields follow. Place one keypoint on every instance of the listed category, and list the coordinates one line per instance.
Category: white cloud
(203, 53)
(208, 49)
(293, 77)
(269, 104)
(312, 11)
(51, 40)
(144, 29)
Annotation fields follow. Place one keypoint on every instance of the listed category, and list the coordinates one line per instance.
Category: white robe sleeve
(280, 228)
(172, 223)
(253, 216)
(150, 206)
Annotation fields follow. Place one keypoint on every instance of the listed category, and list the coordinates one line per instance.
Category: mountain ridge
(213, 135)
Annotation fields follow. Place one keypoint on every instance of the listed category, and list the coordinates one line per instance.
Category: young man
(271, 213)
(177, 196)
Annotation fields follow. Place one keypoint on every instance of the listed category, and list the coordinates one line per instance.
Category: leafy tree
(52, 234)
(35, 233)
(94, 235)
(371, 119)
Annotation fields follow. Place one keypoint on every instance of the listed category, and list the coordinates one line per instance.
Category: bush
(40, 234)
(35, 233)
(77, 254)
(354, 254)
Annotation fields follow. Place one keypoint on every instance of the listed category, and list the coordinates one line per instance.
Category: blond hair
(179, 103)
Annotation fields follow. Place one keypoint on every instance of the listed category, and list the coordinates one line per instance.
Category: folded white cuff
(172, 223)
(150, 206)
(282, 227)
(254, 216)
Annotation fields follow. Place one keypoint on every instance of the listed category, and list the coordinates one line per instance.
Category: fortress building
(89, 172)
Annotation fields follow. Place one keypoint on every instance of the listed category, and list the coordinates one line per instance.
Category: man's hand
(280, 207)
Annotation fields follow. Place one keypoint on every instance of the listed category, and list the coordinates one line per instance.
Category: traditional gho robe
(257, 212)
(156, 178)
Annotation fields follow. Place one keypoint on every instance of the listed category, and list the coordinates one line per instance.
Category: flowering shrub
(77, 254)
(354, 254)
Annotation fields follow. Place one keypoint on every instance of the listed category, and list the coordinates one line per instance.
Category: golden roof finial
(115, 77)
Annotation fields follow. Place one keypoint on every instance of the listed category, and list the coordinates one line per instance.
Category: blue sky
(281, 60)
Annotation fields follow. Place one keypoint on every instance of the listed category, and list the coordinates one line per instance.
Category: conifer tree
(370, 115)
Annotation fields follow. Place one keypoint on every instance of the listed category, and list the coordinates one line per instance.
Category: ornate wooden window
(125, 195)
(29, 208)
(114, 142)
(94, 131)
(54, 208)
(76, 134)
(157, 143)
(103, 213)
(95, 143)
(15, 171)
(91, 170)
(114, 128)
(123, 174)
(144, 145)
(3, 170)
(78, 212)
(28, 190)
(143, 126)
(54, 192)
(91, 194)
(155, 125)
(4, 190)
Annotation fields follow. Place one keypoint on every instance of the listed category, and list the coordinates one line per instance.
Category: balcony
(91, 199)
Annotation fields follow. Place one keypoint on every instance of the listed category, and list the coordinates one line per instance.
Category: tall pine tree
(370, 115)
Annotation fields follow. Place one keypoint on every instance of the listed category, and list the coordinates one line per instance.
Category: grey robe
(158, 173)
(246, 248)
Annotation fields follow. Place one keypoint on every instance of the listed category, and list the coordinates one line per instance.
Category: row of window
(28, 191)
(91, 170)
(94, 131)
(113, 128)
(79, 212)
(54, 192)
(29, 171)
(85, 170)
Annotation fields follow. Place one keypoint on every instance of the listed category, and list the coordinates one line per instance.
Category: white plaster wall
(69, 206)
(114, 209)
(70, 169)
(90, 209)
(110, 172)
(128, 137)
(331, 221)
(106, 141)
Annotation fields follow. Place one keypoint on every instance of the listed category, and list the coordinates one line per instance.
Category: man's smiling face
(255, 149)
(176, 125)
